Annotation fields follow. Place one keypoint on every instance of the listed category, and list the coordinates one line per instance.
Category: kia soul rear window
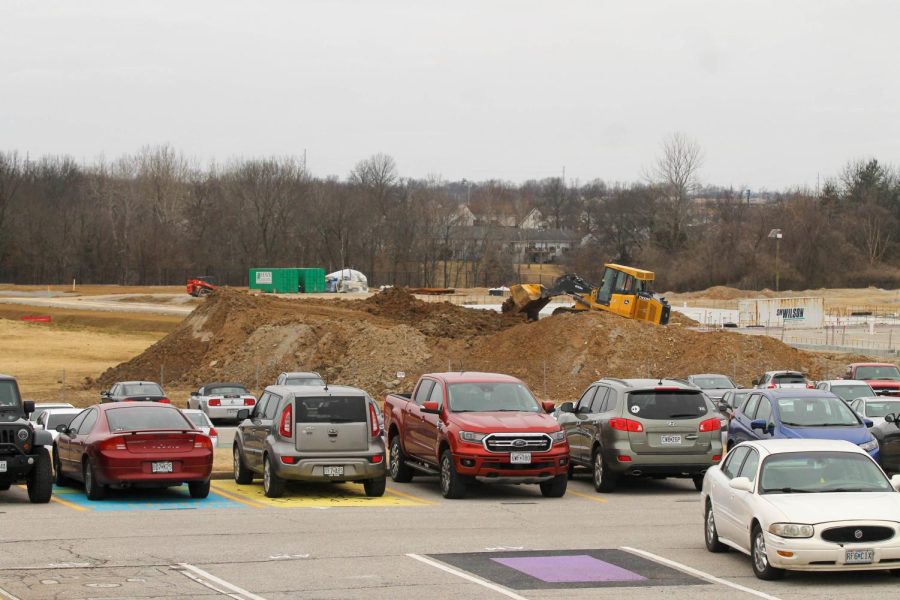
(331, 409)
(671, 405)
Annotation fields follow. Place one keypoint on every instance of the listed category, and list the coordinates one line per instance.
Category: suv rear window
(789, 378)
(332, 409)
(664, 404)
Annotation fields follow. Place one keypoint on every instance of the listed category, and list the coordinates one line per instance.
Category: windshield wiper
(786, 490)
(790, 424)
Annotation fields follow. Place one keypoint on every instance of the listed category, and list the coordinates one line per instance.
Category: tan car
(643, 428)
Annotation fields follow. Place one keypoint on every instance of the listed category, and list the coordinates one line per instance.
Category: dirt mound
(385, 342)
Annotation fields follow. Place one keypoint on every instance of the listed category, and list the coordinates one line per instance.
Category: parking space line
(698, 573)
(410, 497)
(245, 501)
(4, 595)
(594, 497)
(72, 505)
(468, 577)
(238, 593)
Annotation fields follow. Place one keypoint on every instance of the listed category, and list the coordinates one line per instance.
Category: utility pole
(776, 235)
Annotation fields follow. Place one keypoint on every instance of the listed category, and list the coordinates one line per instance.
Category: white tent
(346, 280)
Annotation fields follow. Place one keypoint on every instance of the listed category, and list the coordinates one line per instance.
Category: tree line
(157, 217)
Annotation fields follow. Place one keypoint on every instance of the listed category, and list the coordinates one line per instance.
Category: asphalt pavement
(330, 541)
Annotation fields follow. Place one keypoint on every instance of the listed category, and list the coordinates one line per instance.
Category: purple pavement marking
(574, 568)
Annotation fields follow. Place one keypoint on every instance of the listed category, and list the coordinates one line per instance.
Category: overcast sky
(775, 92)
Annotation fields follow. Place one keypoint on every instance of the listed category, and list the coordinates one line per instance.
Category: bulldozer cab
(618, 279)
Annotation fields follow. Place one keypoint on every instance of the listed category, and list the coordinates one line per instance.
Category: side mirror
(758, 424)
(104, 394)
(895, 481)
(243, 414)
(62, 429)
(548, 406)
(755, 382)
(567, 407)
(28, 406)
(869, 422)
(741, 483)
(723, 406)
(890, 418)
(432, 408)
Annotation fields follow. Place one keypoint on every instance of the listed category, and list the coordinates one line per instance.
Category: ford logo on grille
(519, 443)
(858, 534)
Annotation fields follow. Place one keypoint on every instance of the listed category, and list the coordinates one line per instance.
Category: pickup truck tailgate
(332, 424)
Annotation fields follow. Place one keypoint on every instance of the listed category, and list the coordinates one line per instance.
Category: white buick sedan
(803, 505)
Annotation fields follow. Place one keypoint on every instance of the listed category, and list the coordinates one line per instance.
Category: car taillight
(113, 443)
(289, 460)
(214, 402)
(626, 425)
(165, 401)
(286, 426)
(249, 401)
(810, 386)
(624, 458)
(717, 457)
(213, 433)
(710, 425)
(376, 429)
(772, 386)
(377, 458)
(202, 441)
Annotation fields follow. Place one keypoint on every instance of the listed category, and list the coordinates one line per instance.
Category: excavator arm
(530, 298)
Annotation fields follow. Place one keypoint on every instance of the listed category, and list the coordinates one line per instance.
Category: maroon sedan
(132, 445)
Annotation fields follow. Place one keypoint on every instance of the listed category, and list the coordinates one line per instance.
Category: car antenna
(326, 384)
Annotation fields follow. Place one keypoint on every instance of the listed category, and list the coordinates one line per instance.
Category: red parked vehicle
(475, 426)
(132, 445)
(884, 378)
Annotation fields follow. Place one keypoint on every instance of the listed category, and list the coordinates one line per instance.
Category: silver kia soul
(304, 433)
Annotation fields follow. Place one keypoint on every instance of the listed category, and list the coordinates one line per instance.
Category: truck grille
(861, 533)
(517, 442)
(7, 436)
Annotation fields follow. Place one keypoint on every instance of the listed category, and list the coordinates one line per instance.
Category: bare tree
(675, 176)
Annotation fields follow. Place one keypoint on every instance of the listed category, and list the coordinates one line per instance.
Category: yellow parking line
(245, 501)
(71, 505)
(593, 497)
(410, 496)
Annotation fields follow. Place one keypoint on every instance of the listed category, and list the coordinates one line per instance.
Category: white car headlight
(471, 436)
(558, 436)
(791, 530)
(870, 445)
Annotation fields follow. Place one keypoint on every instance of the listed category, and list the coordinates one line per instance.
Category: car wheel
(711, 534)
(571, 472)
(93, 489)
(273, 485)
(242, 475)
(40, 480)
(199, 489)
(895, 572)
(556, 487)
(399, 470)
(4, 486)
(61, 480)
(375, 487)
(453, 486)
(698, 482)
(761, 567)
(604, 479)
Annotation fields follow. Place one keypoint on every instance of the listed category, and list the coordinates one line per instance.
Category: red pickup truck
(884, 378)
(475, 426)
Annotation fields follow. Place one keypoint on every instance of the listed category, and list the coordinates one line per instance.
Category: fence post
(545, 380)
(62, 389)
(257, 376)
(162, 374)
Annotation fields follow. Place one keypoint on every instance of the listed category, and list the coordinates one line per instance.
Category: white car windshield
(821, 472)
(882, 408)
(851, 392)
(816, 412)
(491, 397)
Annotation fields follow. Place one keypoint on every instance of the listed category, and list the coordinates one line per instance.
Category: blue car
(799, 413)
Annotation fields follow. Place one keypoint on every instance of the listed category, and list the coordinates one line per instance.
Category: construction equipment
(623, 290)
(202, 285)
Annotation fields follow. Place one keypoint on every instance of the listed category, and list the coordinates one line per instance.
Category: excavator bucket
(528, 298)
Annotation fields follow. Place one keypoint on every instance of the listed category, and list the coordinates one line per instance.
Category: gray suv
(642, 427)
(305, 433)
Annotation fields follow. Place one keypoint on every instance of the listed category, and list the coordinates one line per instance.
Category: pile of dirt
(385, 342)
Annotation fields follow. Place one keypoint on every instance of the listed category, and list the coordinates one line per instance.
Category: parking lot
(333, 542)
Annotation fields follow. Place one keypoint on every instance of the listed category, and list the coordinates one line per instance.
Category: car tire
(399, 470)
(453, 486)
(759, 559)
(273, 485)
(40, 480)
(710, 533)
(375, 487)
(242, 475)
(93, 489)
(571, 472)
(604, 480)
(698, 482)
(556, 487)
(60, 479)
(895, 572)
(5, 486)
(199, 489)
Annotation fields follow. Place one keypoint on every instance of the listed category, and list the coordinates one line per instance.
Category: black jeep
(23, 451)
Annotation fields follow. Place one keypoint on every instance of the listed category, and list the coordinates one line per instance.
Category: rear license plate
(859, 557)
(232, 411)
(520, 458)
(670, 439)
(334, 471)
(2, 466)
(161, 467)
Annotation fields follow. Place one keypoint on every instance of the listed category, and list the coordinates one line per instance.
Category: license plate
(161, 467)
(232, 411)
(859, 557)
(2, 466)
(520, 458)
(334, 471)
(670, 439)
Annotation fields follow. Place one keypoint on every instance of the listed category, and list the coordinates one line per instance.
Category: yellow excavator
(623, 290)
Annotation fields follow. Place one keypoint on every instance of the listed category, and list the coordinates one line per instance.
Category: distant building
(525, 245)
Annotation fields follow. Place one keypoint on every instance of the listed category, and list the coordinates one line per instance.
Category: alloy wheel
(760, 559)
(267, 476)
(598, 469)
(395, 459)
(445, 475)
(710, 526)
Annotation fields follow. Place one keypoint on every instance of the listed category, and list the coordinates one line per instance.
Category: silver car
(305, 433)
(875, 408)
(714, 384)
